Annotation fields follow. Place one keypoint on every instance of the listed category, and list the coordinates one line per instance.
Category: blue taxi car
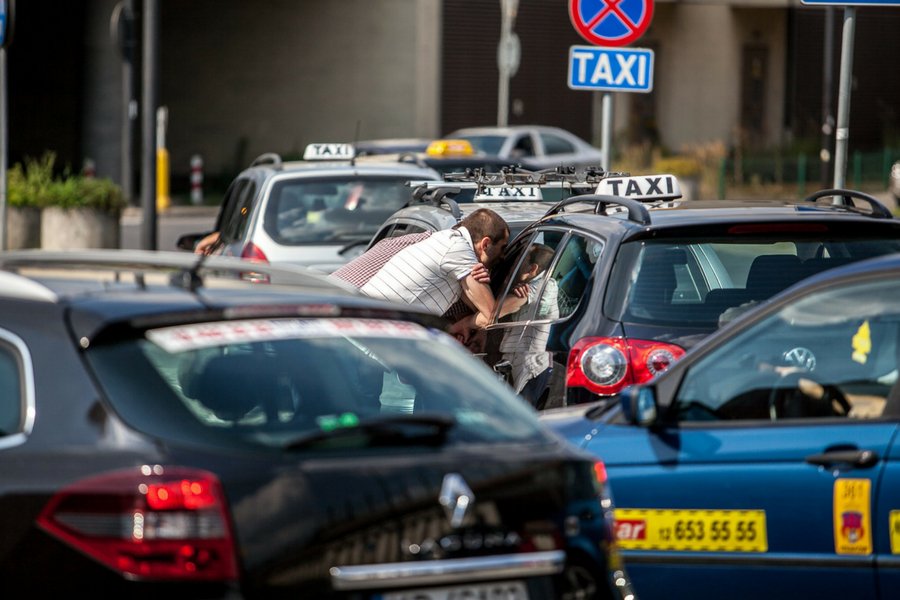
(766, 462)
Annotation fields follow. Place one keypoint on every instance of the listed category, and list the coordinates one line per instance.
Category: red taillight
(600, 472)
(606, 365)
(252, 253)
(150, 523)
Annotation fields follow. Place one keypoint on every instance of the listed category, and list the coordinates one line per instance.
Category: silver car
(319, 212)
(534, 146)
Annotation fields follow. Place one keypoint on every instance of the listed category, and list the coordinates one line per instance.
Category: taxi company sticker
(693, 530)
(208, 335)
(862, 343)
(894, 522)
(852, 517)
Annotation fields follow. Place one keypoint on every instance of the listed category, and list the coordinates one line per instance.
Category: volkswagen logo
(800, 357)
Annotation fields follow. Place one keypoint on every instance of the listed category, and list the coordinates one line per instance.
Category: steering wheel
(797, 394)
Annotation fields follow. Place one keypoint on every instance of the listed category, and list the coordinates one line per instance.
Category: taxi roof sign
(448, 148)
(641, 187)
(509, 192)
(329, 152)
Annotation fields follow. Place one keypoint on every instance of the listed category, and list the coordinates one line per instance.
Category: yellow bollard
(163, 201)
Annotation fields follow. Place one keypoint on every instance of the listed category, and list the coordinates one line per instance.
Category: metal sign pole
(148, 117)
(606, 139)
(842, 133)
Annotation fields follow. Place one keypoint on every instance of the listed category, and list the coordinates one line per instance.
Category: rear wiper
(393, 430)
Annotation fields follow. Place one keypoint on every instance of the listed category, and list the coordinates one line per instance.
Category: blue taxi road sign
(610, 69)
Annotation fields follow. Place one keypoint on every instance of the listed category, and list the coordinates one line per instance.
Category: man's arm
(480, 297)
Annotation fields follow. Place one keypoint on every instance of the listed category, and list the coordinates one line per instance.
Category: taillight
(252, 253)
(148, 523)
(606, 365)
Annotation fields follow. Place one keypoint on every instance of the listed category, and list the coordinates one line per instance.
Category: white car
(533, 146)
(319, 212)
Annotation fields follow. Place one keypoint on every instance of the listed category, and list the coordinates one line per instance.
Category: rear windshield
(711, 281)
(271, 382)
(332, 211)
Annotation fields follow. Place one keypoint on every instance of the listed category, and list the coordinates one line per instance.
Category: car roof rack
(268, 158)
(438, 197)
(637, 211)
(879, 210)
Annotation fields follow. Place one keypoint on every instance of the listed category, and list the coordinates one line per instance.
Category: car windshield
(832, 353)
(710, 281)
(332, 211)
(282, 382)
(486, 144)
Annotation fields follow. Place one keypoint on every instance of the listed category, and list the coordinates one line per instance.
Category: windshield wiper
(393, 430)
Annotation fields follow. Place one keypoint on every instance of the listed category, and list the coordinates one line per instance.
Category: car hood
(297, 518)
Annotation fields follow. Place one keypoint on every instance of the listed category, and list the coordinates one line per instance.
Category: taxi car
(534, 146)
(765, 463)
(519, 196)
(170, 431)
(637, 277)
(444, 156)
(313, 212)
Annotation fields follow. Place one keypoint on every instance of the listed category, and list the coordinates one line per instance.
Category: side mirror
(189, 241)
(639, 404)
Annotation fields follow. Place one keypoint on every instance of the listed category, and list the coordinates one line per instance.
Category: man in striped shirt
(436, 272)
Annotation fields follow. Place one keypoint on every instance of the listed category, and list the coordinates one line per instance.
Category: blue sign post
(610, 69)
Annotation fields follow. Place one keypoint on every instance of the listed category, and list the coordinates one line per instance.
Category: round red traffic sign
(611, 22)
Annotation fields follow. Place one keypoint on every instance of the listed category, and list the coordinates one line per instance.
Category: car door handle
(853, 458)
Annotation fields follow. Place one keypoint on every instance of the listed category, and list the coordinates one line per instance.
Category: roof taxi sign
(643, 187)
(509, 192)
(328, 152)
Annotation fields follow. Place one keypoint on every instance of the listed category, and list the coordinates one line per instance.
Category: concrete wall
(239, 83)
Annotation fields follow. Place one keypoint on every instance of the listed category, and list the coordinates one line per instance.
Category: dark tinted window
(12, 400)
(554, 144)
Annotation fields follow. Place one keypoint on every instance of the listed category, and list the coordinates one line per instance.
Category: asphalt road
(170, 225)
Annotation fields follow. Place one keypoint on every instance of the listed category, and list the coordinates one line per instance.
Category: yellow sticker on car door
(852, 516)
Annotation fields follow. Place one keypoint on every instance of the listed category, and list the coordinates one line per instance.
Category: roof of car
(505, 130)
(103, 286)
(274, 164)
(721, 212)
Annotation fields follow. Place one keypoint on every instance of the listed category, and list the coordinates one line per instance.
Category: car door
(773, 473)
(547, 276)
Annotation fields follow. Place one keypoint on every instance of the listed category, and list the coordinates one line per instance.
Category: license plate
(501, 590)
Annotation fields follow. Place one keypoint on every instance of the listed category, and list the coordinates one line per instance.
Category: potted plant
(27, 186)
(81, 212)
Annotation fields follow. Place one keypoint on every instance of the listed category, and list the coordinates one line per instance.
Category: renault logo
(456, 498)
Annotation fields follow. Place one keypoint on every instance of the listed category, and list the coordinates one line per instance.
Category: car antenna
(355, 141)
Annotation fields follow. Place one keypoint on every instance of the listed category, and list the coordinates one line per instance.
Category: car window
(530, 292)
(12, 399)
(522, 146)
(554, 144)
(710, 281)
(572, 271)
(831, 354)
(236, 209)
(486, 144)
(335, 210)
(265, 382)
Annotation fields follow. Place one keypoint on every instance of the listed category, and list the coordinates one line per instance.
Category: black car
(169, 430)
(627, 286)
(764, 464)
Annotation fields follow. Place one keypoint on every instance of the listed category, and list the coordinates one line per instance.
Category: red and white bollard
(89, 168)
(196, 179)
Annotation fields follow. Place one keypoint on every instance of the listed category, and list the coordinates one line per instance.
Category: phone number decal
(691, 530)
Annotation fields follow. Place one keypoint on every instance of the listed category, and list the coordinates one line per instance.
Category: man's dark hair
(485, 223)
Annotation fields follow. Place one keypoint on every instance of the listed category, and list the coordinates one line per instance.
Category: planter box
(71, 228)
(23, 227)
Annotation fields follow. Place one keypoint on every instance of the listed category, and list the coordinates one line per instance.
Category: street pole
(842, 133)
(827, 83)
(148, 119)
(606, 134)
(508, 9)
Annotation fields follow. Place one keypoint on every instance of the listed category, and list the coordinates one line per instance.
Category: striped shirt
(360, 270)
(427, 273)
